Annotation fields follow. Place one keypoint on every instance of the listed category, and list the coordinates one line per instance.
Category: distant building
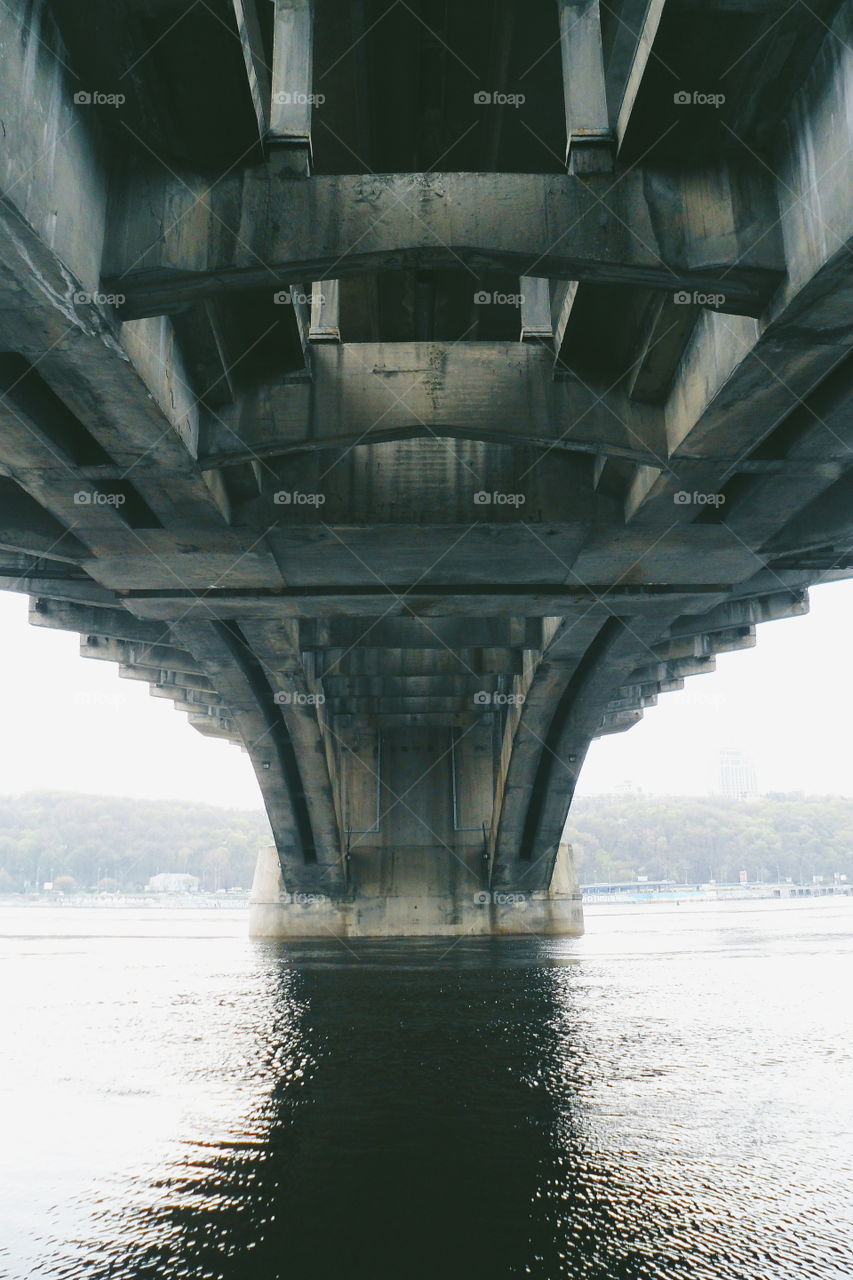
(173, 882)
(737, 776)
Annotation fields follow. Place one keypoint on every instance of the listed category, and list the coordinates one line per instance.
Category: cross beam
(174, 241)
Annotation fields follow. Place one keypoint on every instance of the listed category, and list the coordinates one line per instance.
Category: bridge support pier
(414, 892)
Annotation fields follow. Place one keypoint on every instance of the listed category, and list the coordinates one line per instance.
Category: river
(669, 1096)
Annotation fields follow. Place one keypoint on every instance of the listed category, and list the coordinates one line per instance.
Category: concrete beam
(212, 727)
(776, 364)
(189, 700)
(412, 720)
(563, 295)
(741, 638)
(711, 232)
(457, 684)
(292, 83)
(32, 579)
(631, 702)
(667, 328)
(536, 323)
(363, 393)
(411, 633)
(674, 670)
(90, 620)
(325, 311)
(132, 654)
(405, 705)
(257, 68)
(462, 602)
(700, 644)
(180, 681)
(617, 722)
(639, 63)
(25, 526)
(740, 613)
(589, 142)
(53, 212)
(366, 661)
(200, 334)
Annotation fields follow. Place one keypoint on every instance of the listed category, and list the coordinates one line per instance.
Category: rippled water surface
(671, 1095)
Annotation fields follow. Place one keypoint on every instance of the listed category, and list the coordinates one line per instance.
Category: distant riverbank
(111, 901)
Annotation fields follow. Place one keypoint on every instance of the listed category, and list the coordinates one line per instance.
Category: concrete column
(325, 311)
(257, 71)
(589, 141)
(427, 897)
(536, 323)
(563, 296)
(292, 82)
(415, 813)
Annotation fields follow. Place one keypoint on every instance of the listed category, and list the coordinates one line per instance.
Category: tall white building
(737, 776)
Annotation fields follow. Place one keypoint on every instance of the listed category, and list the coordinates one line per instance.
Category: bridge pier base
(414, 892)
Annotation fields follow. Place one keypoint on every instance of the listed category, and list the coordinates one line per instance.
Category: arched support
(282, 737)
(546, 744)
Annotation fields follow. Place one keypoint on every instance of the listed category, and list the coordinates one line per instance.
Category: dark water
(670, 1096)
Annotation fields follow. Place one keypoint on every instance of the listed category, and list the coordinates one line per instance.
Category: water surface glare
(669, 1096)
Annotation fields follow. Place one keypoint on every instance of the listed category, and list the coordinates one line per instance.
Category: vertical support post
(257, 71)
(563, 296)
(536, 323)
(589, 141)
(292, 83)
(325, 311)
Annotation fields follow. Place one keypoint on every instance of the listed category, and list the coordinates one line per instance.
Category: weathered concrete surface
(175, 242)
(412, 893)
(363, 393)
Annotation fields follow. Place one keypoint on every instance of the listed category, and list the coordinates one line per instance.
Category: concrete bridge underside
(414, 393)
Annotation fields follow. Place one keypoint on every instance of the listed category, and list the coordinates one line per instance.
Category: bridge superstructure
(413, 393)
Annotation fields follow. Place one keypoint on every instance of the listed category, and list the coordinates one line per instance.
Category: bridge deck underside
(406, 469)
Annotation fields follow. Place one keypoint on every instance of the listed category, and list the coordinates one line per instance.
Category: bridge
(414, 392)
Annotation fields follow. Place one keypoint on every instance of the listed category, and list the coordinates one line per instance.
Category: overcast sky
(71, 723)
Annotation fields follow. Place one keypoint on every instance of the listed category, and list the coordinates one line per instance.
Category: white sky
(71, 724)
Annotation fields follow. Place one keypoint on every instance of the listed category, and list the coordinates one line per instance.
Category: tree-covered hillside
(98, 839)
(699, 839)
(119, 843)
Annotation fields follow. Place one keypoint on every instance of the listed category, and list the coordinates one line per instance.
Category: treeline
(90, 842)
(699, 839)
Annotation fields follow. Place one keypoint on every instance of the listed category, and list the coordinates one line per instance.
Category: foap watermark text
(296, 498)
(295, 698)
(484, 698)
(497, 98)
(483, 498)
(684, 499)
(98, 498)
(498, 898)
(95, 98)
(696, 98)
(695, 298)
